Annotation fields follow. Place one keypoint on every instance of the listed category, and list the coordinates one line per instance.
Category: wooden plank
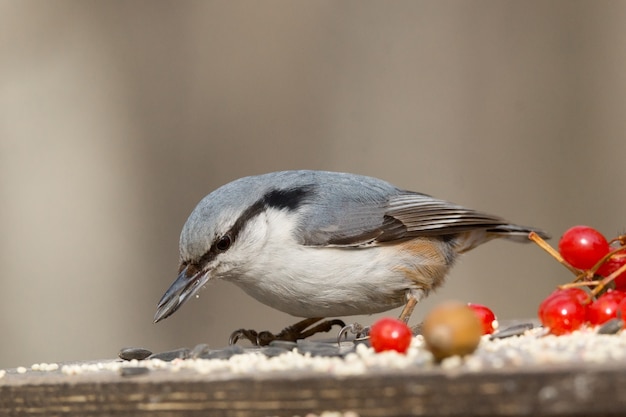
(572, 390)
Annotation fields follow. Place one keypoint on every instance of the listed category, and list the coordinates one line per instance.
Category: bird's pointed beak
(184, 287)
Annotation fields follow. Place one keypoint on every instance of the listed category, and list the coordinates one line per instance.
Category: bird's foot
(361, 332)
(299, 330)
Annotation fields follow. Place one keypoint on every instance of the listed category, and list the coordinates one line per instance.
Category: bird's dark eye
(224, 243)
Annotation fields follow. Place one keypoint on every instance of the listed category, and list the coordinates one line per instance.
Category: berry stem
(605, 258)
(579, 284)
(621, 239)
(603, 283)
(553, 252)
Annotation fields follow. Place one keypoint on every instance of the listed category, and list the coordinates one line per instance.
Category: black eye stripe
(289, 199)
(219, 245)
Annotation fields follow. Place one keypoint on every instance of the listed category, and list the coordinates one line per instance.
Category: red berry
(583, 246)
(621, 309)
(618, 261)
(487, 318)
(579, 294)
(605, 307)
(614, 263)
(390, 334)
(564, 311)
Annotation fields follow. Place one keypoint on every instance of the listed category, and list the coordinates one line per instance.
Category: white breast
(307, 281)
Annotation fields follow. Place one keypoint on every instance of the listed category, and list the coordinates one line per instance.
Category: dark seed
(322, 349)
(283, 344)
(215, 354)
(272, 351)
(134, 371)
(199, 350)
(516, 330)
(225, 353)
(182, 353)
(134, 353)
(612, 326)
(235, 350)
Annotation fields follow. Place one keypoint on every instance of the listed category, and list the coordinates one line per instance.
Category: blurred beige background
(116, 118)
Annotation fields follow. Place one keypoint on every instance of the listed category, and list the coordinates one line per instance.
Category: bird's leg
(411, 302)
(405, 315)
(299, 330)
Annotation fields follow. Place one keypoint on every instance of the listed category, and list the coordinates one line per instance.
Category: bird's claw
(251, 335)
(361, 332)
(299, 330)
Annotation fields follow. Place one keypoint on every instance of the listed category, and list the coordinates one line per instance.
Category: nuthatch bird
(318, 244)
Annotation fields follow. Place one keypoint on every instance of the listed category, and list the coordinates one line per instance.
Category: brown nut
(451, 328)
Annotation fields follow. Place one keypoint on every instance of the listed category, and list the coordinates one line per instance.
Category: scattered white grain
(474, 363)
(45, 367)
(452, 362)
(21, 370)
(533, 348)
(2, 373)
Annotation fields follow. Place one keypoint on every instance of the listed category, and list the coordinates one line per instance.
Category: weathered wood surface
(555, 391)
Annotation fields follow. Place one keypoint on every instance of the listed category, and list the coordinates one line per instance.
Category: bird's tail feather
(469, 240)
(516, 233)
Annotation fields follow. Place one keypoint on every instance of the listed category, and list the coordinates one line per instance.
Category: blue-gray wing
(375, 216)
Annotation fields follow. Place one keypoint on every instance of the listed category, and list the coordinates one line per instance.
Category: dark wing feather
(352, 210)
(422, 215)
(407, 215)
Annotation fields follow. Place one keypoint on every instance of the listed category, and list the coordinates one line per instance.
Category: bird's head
(223, 233)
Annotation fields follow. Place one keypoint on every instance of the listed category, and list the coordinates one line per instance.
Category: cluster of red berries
(595, 296)
(598, 293)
